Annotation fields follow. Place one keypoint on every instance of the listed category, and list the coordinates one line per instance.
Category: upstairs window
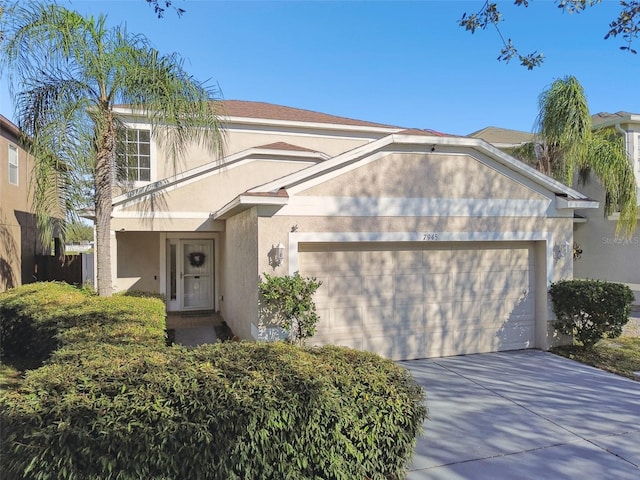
(134, 155)
(13, 165)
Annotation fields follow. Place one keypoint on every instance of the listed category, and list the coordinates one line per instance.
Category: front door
(190, 275)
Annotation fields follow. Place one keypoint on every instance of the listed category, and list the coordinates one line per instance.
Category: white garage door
(415, 300)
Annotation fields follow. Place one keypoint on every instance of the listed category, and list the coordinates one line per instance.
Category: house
(503, 138)
(19, 237)
(427, 244)
(603, 255)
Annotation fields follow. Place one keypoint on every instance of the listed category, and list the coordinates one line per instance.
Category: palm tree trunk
(105, 138)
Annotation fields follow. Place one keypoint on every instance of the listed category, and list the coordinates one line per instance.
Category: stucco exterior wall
(330, 143)
(605, 256)
(137, 261)
(438, 175)
(19, 238)
(239, 294)
(238, 139)
(211, 192)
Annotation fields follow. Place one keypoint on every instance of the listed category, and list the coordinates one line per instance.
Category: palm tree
(567, 148)
(69, 73)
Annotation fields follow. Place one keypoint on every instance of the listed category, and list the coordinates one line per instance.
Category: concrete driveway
(525, 415)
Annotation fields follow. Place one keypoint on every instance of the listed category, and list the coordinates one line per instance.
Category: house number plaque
(430, 236)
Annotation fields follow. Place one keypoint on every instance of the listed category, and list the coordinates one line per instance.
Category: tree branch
(626, 25)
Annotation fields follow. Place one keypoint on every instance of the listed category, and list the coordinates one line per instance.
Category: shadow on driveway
(525, 415)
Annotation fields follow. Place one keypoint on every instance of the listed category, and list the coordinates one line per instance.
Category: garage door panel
(317, 262)
(523, 306)
(408, 317)
(497, 282)
(438, 315)
(437, 260)
(407, 260)
(409, 346)
(409, 285)
(379, 261)
(379, 287)
(348, 261)
(437, 285)
(347, 319)
(379, 316)
(475, 340)
(467, 285)
(380, 343)
(517, 336)
(520, 257)
(351, 286)
(420, 301)
(343, 341)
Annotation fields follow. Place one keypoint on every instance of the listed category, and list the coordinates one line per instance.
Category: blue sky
(401, 63)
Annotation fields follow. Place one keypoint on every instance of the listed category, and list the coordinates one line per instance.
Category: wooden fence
(73, 269)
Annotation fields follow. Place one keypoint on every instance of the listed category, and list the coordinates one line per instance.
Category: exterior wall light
(561, 250)
(277, 254)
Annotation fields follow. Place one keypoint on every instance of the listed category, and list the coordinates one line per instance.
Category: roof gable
(313, 176)
(278, 151)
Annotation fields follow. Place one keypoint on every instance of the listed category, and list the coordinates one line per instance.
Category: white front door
(190, 274)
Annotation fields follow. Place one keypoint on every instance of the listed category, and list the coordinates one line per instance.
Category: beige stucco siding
(239, 305)
(191, 157)
(239, 140)
(421, 175)
(606, 256)
(19, 240)
(138, 261)
(212, 191)
(279, 226)
(170, 223)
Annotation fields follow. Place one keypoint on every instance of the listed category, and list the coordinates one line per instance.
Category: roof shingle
(243, 108)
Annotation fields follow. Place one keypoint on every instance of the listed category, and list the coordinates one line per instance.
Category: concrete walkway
(525, 415)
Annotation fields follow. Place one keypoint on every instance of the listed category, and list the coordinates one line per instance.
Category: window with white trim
(13, 165)
(134, 155)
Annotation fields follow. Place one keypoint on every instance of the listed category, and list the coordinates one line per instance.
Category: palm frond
(607, 158)
(564, 123)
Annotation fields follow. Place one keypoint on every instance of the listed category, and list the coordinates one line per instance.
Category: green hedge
(39, 318)
(225, 411)
(30, 317)
(590, 309)
(112, 406)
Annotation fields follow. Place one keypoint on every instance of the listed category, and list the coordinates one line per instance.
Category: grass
(618, 355)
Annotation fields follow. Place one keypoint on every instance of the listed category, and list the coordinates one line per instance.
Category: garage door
(413, 300)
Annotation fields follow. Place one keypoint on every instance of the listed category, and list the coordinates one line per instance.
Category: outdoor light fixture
(277, 254)
(561, 250)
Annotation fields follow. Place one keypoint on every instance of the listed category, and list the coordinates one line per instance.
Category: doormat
(198, 313)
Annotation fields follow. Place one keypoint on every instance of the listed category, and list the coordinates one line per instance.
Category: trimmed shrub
(29, 318)
(231, 410)
(289, 300)
(590, 309)
(38, 318)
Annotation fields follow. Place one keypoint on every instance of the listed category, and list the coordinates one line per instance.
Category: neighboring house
(604, 256)
(19, 239)
(426, 244)
(503, 138)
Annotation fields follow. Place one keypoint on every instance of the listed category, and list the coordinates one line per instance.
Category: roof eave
(564, 203)
(244, 202)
